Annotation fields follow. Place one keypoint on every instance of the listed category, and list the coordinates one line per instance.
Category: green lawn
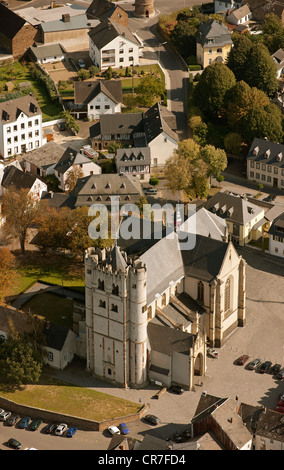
(59, 269)
(52, 307)
(53, 395)
(18, 73)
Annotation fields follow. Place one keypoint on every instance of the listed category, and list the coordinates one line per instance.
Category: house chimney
(66, 18)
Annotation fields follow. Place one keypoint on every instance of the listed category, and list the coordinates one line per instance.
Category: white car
(88, 150)
(212, 352)
(81, 64)
(4, 415)
(61, 428)
(113, 430)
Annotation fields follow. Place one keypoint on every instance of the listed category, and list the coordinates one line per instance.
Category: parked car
(23, 424)
(280, 409)
(242, 360)
(113, 430)
(176, 389)
(50, 428)
(71, 431)
(280, 374)
(152, 419)
(4, 415)
(275, 369)
(150, 191)
(124, 429)
(12, 421)
(264, 367)
(81, 64)
(35, 424)
(212, 352)
(61, 428)
(88, 150)
(253, 364)
(14, 443)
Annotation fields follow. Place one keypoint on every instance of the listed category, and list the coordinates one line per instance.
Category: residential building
(13, 178)
(260, 8)
(66, 28)
(276, 237)
(47, 54)
(156, 129)
(16, 35)
(114, 45)
(224, 5)
(3, 168)
(278, 58)
(97, 97)
(41, 162)
(244, 219)
(144, 323)
(73, 161)
(239, 16)
(135, 161)
(20, 126)
(102, 189)
(265, 163)
(213, 43)
(220, 421)
(59, 345)
(105, 10)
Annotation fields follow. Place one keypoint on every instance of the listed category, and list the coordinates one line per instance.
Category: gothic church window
(227, 295)
(114, 308)
(101, 285)
(114, 290)
(200, 291)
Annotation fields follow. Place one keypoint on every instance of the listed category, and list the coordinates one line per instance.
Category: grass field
(54, 269)
(18, 73)
(59, 397)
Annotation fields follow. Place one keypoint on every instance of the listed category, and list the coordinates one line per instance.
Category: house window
(200, 291)
(121, 59)
(227, 295)
(210, 51)
(219, 50)
(97, 107)
(50, 356)
(269, 169)
(263, 177)
(275, 171)
(252, 174)
(107, 106)
(23, 125)
(8, 130)
(36, 122)
(252, 164)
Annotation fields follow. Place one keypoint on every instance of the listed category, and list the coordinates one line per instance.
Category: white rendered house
(276, 237)
(20, 126)
(113, 45)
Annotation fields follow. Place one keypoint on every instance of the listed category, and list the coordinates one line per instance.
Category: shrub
(154, 181)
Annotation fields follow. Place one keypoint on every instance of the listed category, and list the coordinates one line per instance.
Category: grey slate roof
(120, 123)
(49, 50)
(206, 223)
(277, 227)
(106, 31)
(15, 178)
(76, 22)
(258, 149)
(99, 8)
(69, 158)
(130, 156)
(155, 121)
(101, 188)
(168, 340)
(234, 208)
(213, 30)
(10, 110)
(47, 155)
(85, 91)
(55, 335)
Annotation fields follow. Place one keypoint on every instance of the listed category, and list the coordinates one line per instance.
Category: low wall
(80, 423)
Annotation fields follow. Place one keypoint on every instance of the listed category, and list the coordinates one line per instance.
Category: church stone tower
(116, 317)
(144, 8)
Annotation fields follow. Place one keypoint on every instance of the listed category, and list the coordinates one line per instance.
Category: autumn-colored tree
(53, 228)
(8, 272)
(73, 175)
(179, 167)
(21, 210)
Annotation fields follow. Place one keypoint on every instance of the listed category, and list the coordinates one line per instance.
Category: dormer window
(210, 41)
(255, 151)
(267, 153)
(279, 157)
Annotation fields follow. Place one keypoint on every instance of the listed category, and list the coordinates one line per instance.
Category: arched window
(114, 308)
(200, 291)
(227, 295)
(102, 304)
(114, 289)
(101, 285)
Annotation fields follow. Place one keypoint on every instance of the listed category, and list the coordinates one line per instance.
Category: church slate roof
(10, 22)
(166, 340)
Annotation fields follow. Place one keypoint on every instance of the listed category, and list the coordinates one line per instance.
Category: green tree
(233, 143)
(211, 89)
(263, 122)
(149, 88)
(261, 70)
(273, 32)
(183, 36)
(70, 121)
(216, 159)
(83, 74)
(237, 57)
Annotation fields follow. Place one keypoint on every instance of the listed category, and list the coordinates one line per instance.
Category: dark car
(242, 359)
(14, 443)
(12, 421)
(275, 369)
(50, 428)
(176, 389)
(264, 367)
(24, 422)
(35, 424)
(152, 419)
(280, 374)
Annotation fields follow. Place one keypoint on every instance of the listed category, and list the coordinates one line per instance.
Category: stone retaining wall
(81, 423)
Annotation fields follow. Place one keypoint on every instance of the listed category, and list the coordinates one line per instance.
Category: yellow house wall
(203, 54)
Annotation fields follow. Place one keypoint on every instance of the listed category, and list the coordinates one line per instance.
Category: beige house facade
(213, 43)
